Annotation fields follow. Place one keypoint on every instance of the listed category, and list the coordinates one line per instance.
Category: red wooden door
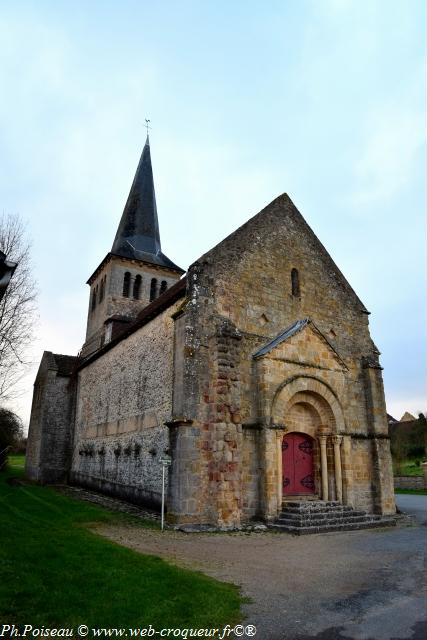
(297, 464)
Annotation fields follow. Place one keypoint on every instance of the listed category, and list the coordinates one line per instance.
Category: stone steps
(311, 522)
(302, 518)
(320, 514)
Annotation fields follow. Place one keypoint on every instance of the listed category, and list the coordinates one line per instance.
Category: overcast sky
(325, 100)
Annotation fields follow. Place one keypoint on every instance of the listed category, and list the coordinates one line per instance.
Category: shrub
(11, 433)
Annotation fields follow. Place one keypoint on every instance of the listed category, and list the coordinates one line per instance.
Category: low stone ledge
(410, 482)
(256, 527)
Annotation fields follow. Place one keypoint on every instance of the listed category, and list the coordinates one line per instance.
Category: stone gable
(249, 278)
(307, 347)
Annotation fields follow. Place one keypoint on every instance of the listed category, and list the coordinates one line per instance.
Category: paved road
(415, 505)
(363, 585)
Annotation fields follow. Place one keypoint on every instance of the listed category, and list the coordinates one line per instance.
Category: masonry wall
(50, 431)
(410, 482)
(32, 457)
(251, 489)
(240, 298)
(124, 398)
(252, 270)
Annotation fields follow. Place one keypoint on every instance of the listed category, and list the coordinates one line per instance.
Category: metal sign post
(166, 462)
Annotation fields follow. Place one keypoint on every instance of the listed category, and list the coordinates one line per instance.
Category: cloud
(413, 404)
(387, 165)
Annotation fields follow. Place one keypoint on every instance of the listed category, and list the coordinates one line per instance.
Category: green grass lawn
(408, 468)
(54, 571)
(416, 492)
(16, 461)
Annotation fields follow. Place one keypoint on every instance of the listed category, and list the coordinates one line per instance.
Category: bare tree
(17, 307)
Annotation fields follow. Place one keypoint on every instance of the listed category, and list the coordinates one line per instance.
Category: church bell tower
(135, 272)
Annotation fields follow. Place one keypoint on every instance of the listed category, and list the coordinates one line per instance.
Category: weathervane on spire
(147, 126)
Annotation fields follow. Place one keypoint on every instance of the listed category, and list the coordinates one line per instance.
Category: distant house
(407, 417)
(7, 269)
(408, 437)
(391, 420)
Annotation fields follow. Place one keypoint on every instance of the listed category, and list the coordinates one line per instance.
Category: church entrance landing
(297, 465)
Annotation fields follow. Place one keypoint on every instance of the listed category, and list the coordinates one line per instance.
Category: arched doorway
(297, 464)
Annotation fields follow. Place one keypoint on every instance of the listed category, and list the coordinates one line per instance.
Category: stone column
(279, 438)
(347, 471)
(324, 466)
(336, 440)
(424, 466)
(271, 436)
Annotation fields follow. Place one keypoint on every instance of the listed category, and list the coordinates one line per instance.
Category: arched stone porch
(306, 405)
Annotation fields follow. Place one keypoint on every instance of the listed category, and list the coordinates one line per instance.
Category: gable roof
(280, 212)
(407, 417)
(64, 365)
(391, 420)
(287, 333)
(295, 328)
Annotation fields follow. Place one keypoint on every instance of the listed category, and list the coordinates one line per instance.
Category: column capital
(277, 426)
(336, 440)
(323, 430)
(323, 439)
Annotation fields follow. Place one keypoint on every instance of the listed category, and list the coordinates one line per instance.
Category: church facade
(254, 371)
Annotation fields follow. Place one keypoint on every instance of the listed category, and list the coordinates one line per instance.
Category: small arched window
(153, 289)
(94, 298)
(163, 286)
(102, 289)
(137, 287)
(126, 284)
(295, 283)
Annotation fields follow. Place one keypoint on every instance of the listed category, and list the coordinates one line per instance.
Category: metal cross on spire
(147, 126)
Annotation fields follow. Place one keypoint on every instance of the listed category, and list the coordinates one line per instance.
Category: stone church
(254, 370)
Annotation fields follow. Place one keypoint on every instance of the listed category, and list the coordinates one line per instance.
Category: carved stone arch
(314, 392)
(313, 403)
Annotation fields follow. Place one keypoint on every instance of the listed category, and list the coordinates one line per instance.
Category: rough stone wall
(251, 494)
(207, 435)
(252, 271)
(50, 430)
(32, 457)
(363, 474)
(124, 398)
(240, 298)
(410, 482)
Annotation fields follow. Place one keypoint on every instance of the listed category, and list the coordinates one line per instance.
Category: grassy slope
(408, 468)
(54, 571)
(416, 492)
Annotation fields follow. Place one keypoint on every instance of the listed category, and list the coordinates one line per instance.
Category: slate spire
(138, 234)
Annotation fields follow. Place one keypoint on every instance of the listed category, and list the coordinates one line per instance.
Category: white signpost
(166, 461)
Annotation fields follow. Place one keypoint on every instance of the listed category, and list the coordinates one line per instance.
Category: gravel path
(363, 585)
